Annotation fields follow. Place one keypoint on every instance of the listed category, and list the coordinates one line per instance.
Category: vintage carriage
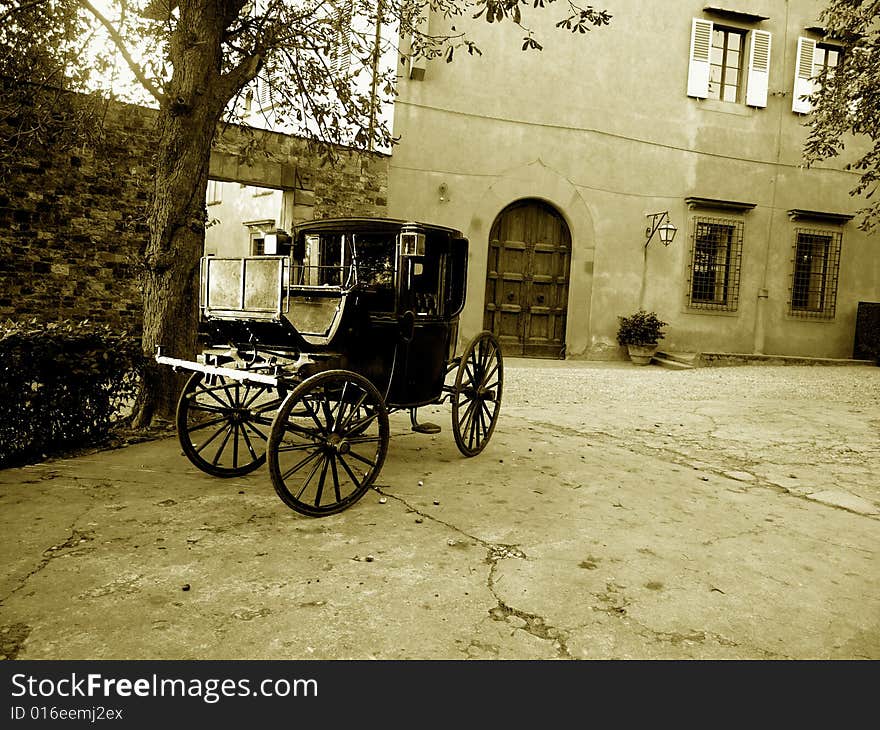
(310, 350)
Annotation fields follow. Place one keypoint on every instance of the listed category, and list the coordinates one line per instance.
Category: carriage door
(527, 280)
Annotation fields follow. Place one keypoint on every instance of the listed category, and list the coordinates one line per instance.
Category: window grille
(716, 254)
(814, 273)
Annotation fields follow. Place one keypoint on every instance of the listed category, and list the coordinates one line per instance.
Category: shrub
(641, 328)
(64, 384)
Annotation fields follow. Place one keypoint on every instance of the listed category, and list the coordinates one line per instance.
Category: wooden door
(527, 280)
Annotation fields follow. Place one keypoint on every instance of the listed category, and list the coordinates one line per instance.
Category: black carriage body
(378, 297)
(308, 352)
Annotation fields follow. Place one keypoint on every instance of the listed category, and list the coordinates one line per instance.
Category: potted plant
(640, 332)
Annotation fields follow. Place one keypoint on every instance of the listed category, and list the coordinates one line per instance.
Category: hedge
(64, 385)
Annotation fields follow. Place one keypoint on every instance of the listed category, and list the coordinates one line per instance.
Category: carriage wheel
(476, 399)
(223, 424)
(328, 442)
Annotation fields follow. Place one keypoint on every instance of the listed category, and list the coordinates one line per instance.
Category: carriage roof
(365, 224)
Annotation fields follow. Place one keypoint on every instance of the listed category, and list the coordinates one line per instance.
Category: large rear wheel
(328, 443)
(476, 398)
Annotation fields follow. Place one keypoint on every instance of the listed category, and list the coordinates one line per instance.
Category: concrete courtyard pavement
(618, 512)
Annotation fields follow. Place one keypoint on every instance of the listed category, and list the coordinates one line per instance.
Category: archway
(527, 276)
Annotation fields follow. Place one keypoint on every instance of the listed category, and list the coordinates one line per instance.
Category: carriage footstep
(426, 428)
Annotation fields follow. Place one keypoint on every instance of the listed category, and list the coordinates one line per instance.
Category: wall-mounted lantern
(664, 230)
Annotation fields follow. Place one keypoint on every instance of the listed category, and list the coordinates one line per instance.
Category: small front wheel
(328, 442)
(476, 399)
(223, 424)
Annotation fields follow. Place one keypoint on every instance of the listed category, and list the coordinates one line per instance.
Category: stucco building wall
(601, 127)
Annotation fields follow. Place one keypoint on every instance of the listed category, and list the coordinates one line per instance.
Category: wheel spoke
(247, 440)
(362, 458)
(272, 405)
(206, 424)
(468, 412)
(311, 474)
(223, 445)
(311, 412)
(489, 375)
(301, 463)
(336, 491)
(285, 448)
(364, 440)
(320, 490)
(213, 393)
(340, 408)
(216, 434)
(351, 475)
(207, 408)
(253, 428)
(363, 423)
(346, 425)
(295, 428)
(257, 393)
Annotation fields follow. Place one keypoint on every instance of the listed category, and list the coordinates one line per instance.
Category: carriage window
(321, 260)
(422, 284)
(375, 254)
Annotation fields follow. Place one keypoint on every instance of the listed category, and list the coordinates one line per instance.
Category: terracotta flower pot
(641, 354)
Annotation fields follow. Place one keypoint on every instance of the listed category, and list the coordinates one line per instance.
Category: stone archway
(527, 279)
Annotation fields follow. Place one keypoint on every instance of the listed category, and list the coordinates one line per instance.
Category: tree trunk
(188, 116)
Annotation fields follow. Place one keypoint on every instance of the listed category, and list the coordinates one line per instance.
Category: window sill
(715, 312)
(810, 318)
(724, 107)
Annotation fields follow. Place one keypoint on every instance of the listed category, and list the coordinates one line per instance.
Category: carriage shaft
(233, 373)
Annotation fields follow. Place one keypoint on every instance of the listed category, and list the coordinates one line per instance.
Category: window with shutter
(340, 58)
(699, 69)
(719, 68)
(803, 76)
(759, 69)
(813, 59)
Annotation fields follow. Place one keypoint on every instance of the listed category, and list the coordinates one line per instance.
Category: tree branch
(245, 72)
(119, 41)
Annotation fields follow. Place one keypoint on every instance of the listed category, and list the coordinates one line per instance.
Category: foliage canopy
(847, 99)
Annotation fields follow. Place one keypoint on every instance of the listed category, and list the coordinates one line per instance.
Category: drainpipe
(760, 330)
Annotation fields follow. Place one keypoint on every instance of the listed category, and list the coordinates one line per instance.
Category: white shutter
(759, 69)
(803, 76)
(701, 48)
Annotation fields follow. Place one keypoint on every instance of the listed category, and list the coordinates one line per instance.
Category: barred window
(814, 273)
(715, 264)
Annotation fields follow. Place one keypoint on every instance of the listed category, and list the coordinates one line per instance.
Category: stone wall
(74, 224)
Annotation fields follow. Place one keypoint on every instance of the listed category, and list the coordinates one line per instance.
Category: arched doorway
(527, 280)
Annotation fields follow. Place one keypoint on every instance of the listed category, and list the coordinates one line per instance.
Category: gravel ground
(805, 428)
(529, 382)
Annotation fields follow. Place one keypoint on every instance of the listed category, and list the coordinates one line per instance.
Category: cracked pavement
(618, 512)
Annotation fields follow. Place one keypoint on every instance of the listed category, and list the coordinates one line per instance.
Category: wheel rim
(328, 443)
(223, 424)
(477, 399)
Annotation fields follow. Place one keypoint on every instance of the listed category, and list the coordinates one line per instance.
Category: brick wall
(73, 224)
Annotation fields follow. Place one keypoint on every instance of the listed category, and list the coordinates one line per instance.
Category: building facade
(556, 164)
